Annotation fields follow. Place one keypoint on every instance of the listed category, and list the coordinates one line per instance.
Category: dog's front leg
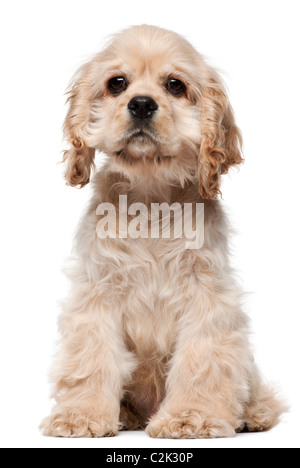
(92, 368)
(209, 379)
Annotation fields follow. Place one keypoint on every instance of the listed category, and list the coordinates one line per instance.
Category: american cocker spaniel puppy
(153, 335)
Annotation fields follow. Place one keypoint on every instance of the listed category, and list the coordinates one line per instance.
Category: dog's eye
(175, 87)
(117, 85)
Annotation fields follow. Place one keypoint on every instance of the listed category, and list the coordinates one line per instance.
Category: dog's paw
(73, 425)
(189, 425)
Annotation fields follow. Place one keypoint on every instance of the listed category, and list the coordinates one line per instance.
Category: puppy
(153, 335)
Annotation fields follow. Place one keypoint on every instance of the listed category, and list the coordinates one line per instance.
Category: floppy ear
(79, 158)
(221, 143)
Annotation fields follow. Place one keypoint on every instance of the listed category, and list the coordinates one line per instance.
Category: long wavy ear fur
(221, 144)
(79, 158)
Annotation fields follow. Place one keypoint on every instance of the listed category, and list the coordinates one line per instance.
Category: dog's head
(151, 103)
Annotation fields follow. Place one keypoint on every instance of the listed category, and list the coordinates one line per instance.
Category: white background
(256, 44)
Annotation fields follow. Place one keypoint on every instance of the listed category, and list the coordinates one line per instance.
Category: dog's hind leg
(264, 409)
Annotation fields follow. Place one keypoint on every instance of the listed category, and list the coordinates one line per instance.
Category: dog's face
(148, 114)
(151, 103)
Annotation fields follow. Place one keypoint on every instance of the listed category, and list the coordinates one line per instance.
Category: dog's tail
(264, 409)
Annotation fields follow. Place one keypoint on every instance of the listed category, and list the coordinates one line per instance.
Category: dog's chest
(152, 299)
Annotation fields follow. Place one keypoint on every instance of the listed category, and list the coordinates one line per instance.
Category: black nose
(142, 107)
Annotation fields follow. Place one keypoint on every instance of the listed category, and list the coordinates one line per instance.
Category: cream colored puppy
(153, 335)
